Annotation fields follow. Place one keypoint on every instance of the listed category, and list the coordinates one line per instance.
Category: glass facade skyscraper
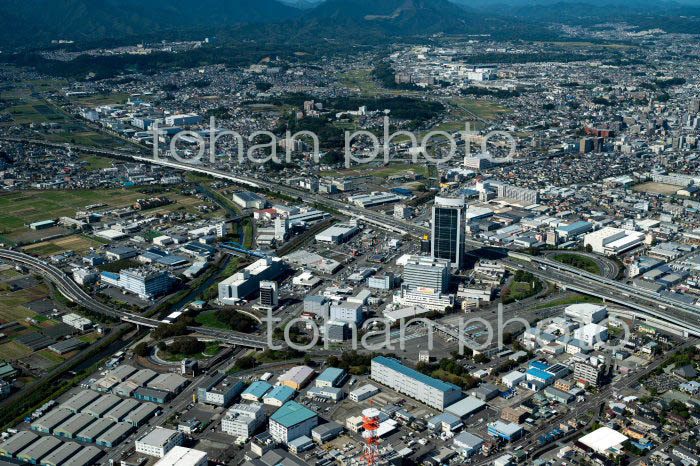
(448, 230)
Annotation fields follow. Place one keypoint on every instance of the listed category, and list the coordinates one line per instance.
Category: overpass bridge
(590, 283)
(68, 288)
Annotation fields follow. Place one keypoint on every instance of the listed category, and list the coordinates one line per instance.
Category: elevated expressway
(681, 316)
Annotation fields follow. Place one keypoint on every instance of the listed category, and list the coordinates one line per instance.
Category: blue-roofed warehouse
(331, 377)
(256, 391)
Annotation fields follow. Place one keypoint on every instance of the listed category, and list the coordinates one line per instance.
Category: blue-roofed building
(331, 377)
(279, 395)
(575, 229)
(433, 392)
(256, 391)
(292, 421)
(509, 431)
(538, 365)
(539, 375)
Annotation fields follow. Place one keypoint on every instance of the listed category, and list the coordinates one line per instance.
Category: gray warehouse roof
(52, 419)
(143, 376)
(61, 454)
(118, 413)
(141, 413)
(121, 373)
(92, 431)
(75, 424)
(169, 382)
(85, 457)
(102, 405)
(115, 432)
(17, 442)
(80, 400)
(40, 448)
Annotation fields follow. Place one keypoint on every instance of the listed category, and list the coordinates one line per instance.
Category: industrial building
(279, 395)
(94, 430)
(433, 392)
(508, 431)
(338, 233)
(119, 412)
(71, 427)
(159, 441)
(51, 420)
(256, 391)
(18, 442)
(242, 420)
(219, 389)
(39, 449)
(61, 454)
(114, 435)
(296, 377)
(102, 405)
(324, 433)
(85, 457)
(170, 382)
(466, 407)
(331, 377)
(248, 200)
(247, 281)
(586, 313)
(181, 456)
(362, 393)
(141, 414)
(145, 283)
(611, 241)
(292, 421)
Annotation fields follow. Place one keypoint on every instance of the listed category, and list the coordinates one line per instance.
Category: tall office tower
(269, 294)
(448, 230)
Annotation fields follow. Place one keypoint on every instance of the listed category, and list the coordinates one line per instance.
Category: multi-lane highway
(68, 288)
(648, 303)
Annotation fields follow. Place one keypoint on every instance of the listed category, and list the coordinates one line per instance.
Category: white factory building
(611, 241)
(586, 313)
(338, 233)
(159, 441)
(591, 334)
(247, 281)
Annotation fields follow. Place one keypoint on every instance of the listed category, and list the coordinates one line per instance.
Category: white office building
(426, 300)
(159, 441)
(426, 274)
(242, 419)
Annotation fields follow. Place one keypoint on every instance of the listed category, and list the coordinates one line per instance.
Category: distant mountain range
(30, 23)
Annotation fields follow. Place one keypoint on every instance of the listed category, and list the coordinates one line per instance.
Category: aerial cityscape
(349, 232)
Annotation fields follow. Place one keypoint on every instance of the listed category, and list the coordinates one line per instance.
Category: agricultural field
(12, 302)
(381, 171)
(76, 243)
(656, 188)
(17, 210)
